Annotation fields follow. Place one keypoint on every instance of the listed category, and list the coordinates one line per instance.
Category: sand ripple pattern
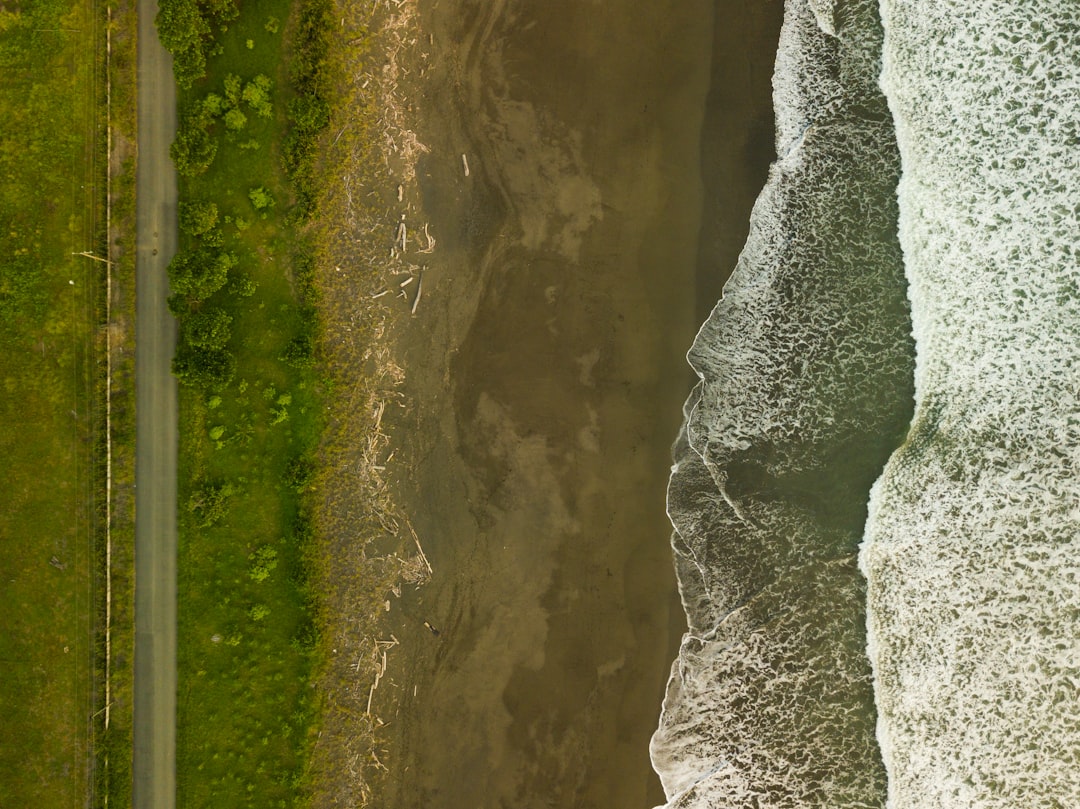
(972, 551)
(805, 369)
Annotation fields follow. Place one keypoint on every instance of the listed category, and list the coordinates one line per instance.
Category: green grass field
(52, 174)
(246, 615)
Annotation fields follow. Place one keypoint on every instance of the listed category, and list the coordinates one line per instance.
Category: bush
(310, 45)
(208, 328)
(203, 367)
(309, 114)
(257, 95)
(197, 274)
(232, 89)
(198, 218)
(299, 472)
(261, 198)
(194, 148)
(299, 352)
(235, 120)
(221, 11)
(263, 561)
(214, 105)
(209, 502)
(243, 287)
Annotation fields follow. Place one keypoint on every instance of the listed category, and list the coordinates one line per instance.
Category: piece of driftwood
(415, 303)
(423, 556)
(430, 241)
(465, 164)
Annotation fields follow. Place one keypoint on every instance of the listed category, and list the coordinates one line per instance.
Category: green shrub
(299, 473)
(214, 105)
(221, 11)
(202, 367)
(299, 352)
(309, 114)
(257, 95)
(209, 502)
(233, 87)
(235, 120)
(261, 198)
(199, 273)
(309, 49)
(263, 561)
(198, 218)
(243, 287)
(208, 328)
(194, 148)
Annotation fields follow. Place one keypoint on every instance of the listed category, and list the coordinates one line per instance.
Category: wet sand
(545, 367)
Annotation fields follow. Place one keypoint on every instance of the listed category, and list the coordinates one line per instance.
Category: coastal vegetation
(285, 379)
(250, 417)
(66, 423)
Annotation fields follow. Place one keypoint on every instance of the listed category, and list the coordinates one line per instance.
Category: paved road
(155, 442)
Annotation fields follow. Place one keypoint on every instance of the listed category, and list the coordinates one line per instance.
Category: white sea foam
(804, 365)
(972, 549)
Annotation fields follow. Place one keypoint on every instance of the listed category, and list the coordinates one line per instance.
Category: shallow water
(805, 369)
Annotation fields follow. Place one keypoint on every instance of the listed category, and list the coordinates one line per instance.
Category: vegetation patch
(250, 416)
(282, 508)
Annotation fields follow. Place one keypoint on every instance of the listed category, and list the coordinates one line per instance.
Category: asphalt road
(154, 784)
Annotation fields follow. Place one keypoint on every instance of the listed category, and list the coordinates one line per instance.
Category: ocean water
(972, 550)
(805, 388)
(915, 642)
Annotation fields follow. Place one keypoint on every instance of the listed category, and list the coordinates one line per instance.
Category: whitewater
(805, 370)
(972, 549)
(910, 643)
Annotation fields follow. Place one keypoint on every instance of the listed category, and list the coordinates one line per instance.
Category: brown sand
(546, 375)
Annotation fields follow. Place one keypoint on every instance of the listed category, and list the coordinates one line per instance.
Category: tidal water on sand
(805, 388)
(928, 153)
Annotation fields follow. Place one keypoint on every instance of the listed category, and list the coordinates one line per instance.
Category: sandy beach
(545, 375)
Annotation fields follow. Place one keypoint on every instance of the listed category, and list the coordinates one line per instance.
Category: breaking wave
(972, 549)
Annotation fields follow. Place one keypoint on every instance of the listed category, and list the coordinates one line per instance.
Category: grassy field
(249, 424)
(52, 307)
